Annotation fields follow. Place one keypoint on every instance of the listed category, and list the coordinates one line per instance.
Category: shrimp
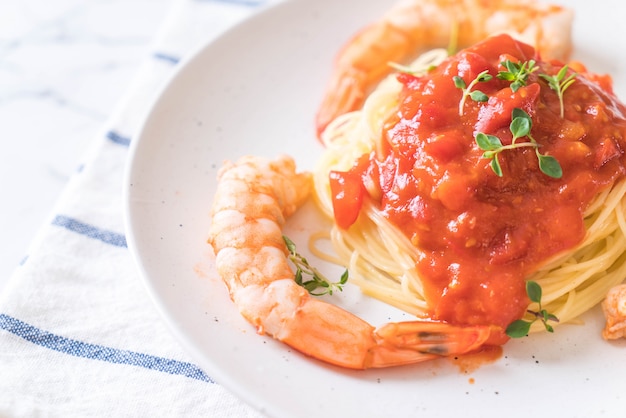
(411, 26)
(254, 198)
(614, 307)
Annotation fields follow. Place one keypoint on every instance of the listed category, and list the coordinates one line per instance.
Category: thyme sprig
(475, 95)
(517, 73)
(559, 83)
(520, 327)
(521, 125)
(317, 280)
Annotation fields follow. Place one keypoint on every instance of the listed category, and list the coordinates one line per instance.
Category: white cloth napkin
(78, 333)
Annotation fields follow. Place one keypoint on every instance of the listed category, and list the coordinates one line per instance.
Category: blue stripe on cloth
(99, 352)
(108, 237)
(166, 57)
(118, 139)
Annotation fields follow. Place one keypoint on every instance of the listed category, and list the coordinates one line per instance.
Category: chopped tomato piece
(497, 113)
(347, 191)
(606, 151)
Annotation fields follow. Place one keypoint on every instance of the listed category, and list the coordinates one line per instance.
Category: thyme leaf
(517, 73)
(520, 127)
(520, 327)
(317, 285)
(475, 95)
(559, 83)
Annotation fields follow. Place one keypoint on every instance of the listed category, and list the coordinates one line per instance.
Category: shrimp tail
(333, 335)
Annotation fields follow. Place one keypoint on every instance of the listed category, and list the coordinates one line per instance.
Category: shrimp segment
(253, 199)
(412, 26)
(614, 308)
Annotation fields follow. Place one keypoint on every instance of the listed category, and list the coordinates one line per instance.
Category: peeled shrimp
(253, 199)
(411, 26)
(614, 307)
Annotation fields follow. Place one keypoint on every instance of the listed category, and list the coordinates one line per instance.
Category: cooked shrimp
(253, 199)
(614, 307)
(411, 26)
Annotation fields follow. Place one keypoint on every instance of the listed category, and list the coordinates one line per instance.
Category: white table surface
(64, 65)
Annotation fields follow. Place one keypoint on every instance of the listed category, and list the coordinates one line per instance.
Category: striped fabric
(98, 352)
(78, 334)
(90, 231)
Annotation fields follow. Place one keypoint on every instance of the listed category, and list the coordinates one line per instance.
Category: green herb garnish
(520, 327)
(453, 43)
(402, 68)
(409, 70)
(559, 83)
(317, 281)
(517, 73)
(521, 125)
(475, 95)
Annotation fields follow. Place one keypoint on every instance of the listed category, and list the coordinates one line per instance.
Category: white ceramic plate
(254, 90)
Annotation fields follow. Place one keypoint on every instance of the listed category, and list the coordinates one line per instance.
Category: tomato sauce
(480, 234)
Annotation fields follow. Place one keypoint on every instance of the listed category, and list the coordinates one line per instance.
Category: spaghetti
(419, 238)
